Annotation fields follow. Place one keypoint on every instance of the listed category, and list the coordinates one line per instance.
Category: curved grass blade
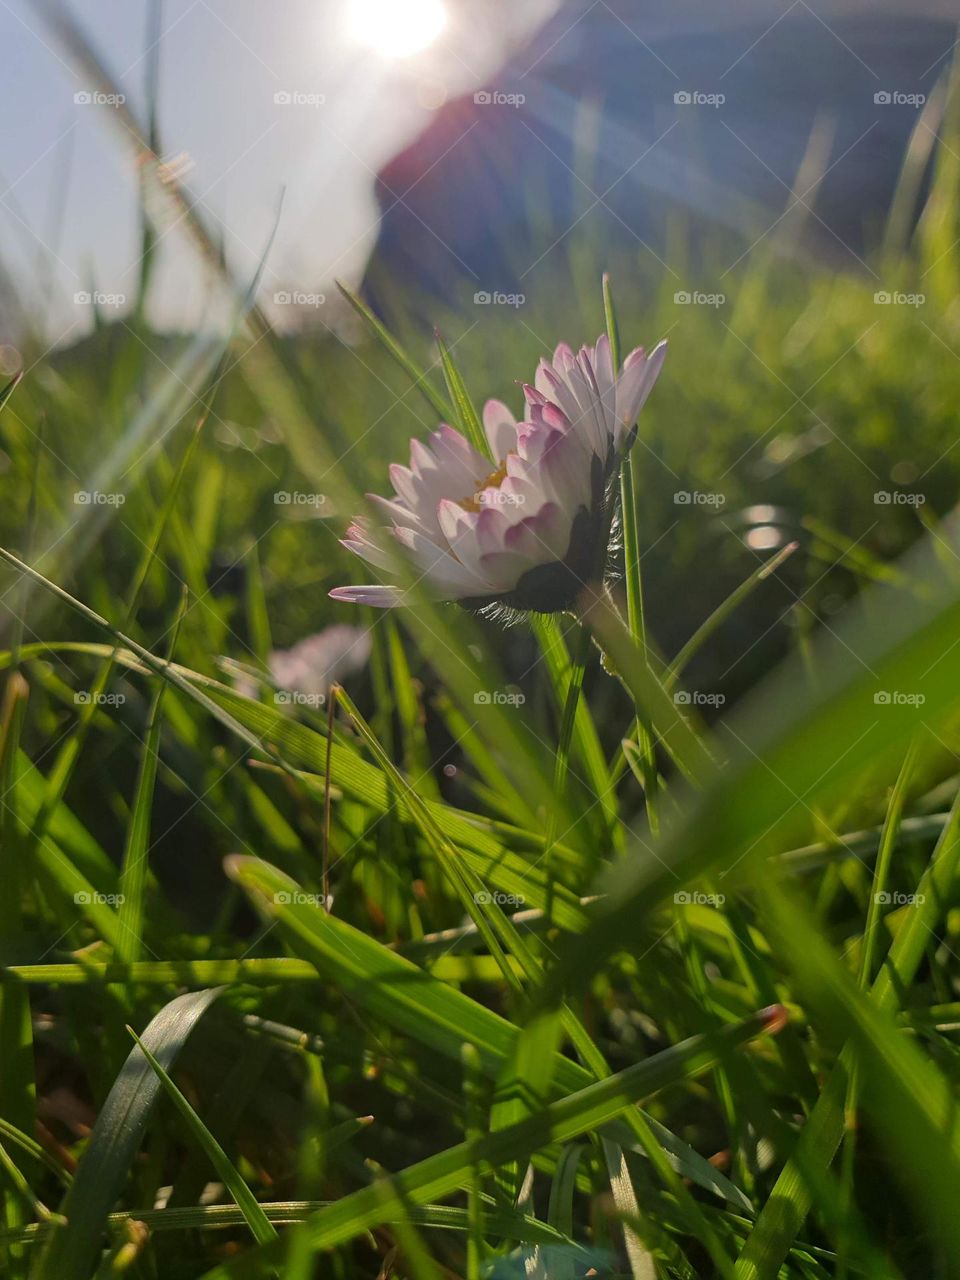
(71, 1252)
(467, 417)
(260, 1226)
(792, 1195)
(629, 487)
(393, 348)
(391, 988)
(569, 1117)
(505, 1223)
(764, 797)
(133, 873)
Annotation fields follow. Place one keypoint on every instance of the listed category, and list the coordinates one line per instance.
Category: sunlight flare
(396, 28)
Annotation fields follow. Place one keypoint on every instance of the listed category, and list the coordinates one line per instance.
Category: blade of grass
(629, 486)
(724, 610)
(70, 1251)
(392, 989)
(789, 1202)
(133, 873)
(260, 1226)
(500, 1221)
(561, 1121)
(417, 376)
(467, 417)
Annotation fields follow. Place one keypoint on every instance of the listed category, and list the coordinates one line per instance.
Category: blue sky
(69, 202)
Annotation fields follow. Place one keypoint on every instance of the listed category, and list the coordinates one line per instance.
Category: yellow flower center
(493, 481)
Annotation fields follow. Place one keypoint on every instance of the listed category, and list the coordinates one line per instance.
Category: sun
(396, 28)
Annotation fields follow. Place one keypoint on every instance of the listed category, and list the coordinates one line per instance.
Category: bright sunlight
(396, 28)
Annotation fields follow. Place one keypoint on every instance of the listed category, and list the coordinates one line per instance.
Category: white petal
(367, 550)
(501, 428)
(398, 512)
(635, 384)
(459, 459)
(440, 567)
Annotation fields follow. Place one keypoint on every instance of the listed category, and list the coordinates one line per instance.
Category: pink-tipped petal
(377, 597)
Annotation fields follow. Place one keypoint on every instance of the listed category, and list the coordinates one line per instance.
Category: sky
(299, 99)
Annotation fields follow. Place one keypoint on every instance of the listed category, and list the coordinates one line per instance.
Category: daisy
(310, 666)
(315, 663)
(529, 529)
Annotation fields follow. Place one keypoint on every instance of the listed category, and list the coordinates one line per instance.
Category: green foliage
(527, 1034)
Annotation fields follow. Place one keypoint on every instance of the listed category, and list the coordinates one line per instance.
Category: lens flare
(396, 28)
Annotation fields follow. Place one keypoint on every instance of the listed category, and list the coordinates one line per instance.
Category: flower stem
(631, 564)
(637, 626)
(577, 668)
(630, 662)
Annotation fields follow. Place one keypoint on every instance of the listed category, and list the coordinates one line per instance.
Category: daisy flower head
(527, 526)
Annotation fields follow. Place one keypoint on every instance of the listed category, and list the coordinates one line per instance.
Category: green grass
(532, 1035)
